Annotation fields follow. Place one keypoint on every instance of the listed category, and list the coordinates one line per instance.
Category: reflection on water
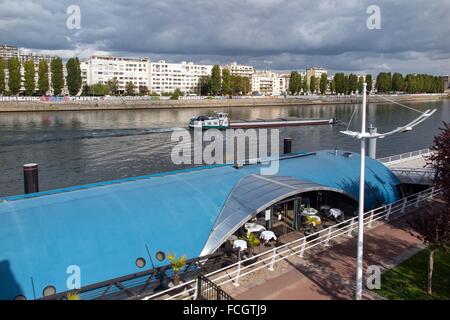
(83, 147)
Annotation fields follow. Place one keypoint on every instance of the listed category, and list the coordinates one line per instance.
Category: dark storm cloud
(415, 34)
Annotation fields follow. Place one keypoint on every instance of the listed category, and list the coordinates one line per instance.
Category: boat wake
(13, 138)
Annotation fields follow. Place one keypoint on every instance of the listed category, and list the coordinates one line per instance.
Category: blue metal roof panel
(103, 228)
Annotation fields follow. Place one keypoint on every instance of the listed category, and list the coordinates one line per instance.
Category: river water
(74, 148)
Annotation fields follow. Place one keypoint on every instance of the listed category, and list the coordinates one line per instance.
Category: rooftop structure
(105, 228)
(240, 70)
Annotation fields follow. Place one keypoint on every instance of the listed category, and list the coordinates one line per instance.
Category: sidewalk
(330, 274)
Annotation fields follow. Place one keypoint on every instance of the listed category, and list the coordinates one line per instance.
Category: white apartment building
(167, 77)
(101, 69)
(270, 83)
(315, 71)
(240, 70)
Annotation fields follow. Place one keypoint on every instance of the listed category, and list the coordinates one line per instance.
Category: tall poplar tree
(226, 82)
(295, 83)
(14, 75)
(43, 83)
(323, 83)
(57, 76)
(216, 80)
(73, 79)
(2, 77)
(369, 82)
(30, 82)
(312, 84)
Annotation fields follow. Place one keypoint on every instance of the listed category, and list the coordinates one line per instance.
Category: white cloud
(415, 34)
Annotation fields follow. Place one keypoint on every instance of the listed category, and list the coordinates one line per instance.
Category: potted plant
(73, 296)
(177, 264)
(312, 222)
(252, 242)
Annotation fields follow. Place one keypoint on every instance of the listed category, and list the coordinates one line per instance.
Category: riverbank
(135, 104)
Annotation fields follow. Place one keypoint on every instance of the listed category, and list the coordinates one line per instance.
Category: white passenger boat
(220, 121)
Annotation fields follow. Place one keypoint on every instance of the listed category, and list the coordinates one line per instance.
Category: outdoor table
(254, 227)
(241, 244)
(268, 235)
(336, 213)
(309, 212)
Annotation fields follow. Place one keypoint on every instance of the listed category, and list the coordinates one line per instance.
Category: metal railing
(416, 176)
(234, 272)
(208, 290)
(403, 156)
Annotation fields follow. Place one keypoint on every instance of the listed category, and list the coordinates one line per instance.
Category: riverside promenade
(36, 104)
(329, 274)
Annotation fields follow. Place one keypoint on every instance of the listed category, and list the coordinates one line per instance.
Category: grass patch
(408, 281)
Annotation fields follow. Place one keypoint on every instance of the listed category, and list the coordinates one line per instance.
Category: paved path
(417, 162)
(330, 274)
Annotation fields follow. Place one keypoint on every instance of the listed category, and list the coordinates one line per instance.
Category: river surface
(74, 148)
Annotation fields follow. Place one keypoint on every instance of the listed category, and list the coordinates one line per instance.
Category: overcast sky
(280, 34)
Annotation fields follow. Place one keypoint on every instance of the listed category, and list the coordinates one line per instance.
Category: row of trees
(222, 82)
(421, 83)
(350, 84)
(13, 65)
(297, 84)
(112, 88)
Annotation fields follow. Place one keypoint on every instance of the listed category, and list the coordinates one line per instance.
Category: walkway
(330, 275)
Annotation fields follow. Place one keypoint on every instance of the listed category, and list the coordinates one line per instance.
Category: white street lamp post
(363, 135)
(359, 250)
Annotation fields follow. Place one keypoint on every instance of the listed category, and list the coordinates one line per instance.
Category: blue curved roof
(104, 228)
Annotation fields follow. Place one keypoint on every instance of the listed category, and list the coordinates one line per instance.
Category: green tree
(29, 80)
(176, 94)
(204, 84)
(43, 83)
(352, 83)
(73, 79)
(2, 77)
(398, 82)
(323, 83)
(85, 90)
(384, 82)
(241, 85)
(295, 83)
(312, 84)
(346, 84)
(333, 86)
(130, 88)
(143, 90)
(339, 79)
(113, 85)
(56, 67)
(305, 85)
(226, 82)
(216, 80)
(14, 75)
(360, 85)
(369, 82)
(98, 89)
